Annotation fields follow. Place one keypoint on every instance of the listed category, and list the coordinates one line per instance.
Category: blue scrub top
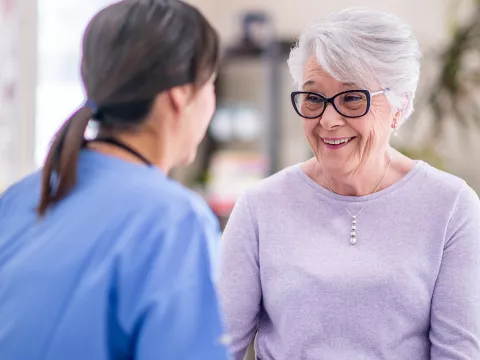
(123, 268)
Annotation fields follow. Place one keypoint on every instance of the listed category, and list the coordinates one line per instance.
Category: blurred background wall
(255, 131)
(18, 67)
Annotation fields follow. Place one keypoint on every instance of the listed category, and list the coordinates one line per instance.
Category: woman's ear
(399, 114)
(395, 128)
(397, 118)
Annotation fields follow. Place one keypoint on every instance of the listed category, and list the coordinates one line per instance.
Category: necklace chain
(353, 233)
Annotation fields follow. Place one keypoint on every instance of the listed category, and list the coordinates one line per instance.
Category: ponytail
(59, 174)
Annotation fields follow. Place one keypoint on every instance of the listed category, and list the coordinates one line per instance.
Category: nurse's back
(119, 267)
(102, 256)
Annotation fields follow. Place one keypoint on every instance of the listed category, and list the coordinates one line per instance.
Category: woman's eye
(353, 98)
(314, 98)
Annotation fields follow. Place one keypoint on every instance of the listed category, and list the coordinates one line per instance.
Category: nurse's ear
(179, 97)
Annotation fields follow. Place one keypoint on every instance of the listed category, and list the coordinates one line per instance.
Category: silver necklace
(353, 232)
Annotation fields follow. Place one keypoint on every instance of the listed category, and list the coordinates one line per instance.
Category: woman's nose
(331, 118)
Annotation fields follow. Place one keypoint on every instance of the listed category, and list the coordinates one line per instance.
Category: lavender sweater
(408, 290)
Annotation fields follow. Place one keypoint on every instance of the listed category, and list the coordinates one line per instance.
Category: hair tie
(90, 104)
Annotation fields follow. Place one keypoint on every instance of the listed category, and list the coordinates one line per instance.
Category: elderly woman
(360, 252)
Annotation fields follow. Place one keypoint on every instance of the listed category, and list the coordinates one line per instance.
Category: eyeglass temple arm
(380, 92)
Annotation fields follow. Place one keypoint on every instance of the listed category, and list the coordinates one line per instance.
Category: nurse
(102, 255)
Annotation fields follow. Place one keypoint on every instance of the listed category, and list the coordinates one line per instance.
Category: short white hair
(370, 48)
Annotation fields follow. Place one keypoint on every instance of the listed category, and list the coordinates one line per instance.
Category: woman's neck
(376, 174)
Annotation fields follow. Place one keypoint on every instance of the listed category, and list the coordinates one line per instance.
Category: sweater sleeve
(455, 314)
(240, 287)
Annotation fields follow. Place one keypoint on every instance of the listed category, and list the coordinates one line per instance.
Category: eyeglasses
(350, 104)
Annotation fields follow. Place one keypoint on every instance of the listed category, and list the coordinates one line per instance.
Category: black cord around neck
(115, 142)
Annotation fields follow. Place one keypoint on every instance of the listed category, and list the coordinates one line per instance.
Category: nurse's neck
(154, 147)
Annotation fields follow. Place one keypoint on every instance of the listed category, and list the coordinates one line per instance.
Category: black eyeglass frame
(331, 100)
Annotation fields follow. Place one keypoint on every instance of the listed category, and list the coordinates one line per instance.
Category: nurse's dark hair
(132, 50)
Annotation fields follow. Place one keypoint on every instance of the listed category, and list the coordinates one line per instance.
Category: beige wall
(17, 78)
(28, 78)
(427, 17)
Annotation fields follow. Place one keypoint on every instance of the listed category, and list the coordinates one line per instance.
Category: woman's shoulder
(442, 182)
(282, 190)
(276, 184)
(451, 193)
(443, 189)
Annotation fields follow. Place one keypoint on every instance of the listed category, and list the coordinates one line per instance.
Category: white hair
(369, 48)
